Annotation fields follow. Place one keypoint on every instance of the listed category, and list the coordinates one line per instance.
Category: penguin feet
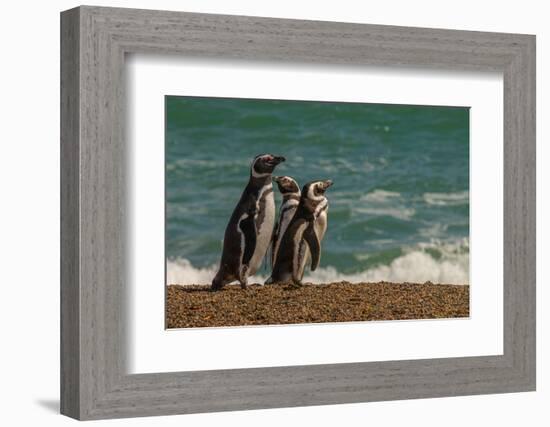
(294, 285)
(243, 276)
(217, 284)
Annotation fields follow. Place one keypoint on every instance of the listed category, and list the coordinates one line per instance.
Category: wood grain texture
(70, 291)
(94, 381)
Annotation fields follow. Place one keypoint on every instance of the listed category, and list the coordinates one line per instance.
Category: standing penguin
(248, 233)
(291, 197)
(303, 235)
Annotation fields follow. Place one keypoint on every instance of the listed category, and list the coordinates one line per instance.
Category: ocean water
(398, 209)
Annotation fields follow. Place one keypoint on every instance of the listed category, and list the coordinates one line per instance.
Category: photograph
(290, 212)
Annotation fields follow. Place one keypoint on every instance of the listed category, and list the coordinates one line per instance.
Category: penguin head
(264, 164)
(287, 185)
(315, 190)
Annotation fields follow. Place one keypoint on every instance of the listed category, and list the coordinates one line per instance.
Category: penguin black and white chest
(303, 236)
(250, 228)
(291, 198)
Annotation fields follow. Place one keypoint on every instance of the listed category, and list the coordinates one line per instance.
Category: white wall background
(29, 213)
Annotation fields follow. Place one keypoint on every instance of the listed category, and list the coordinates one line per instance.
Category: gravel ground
(196, 306)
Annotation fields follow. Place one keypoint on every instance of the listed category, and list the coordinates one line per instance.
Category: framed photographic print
(262, 213)
(394, 215)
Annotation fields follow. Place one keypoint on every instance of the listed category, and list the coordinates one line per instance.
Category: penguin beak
(277, 159)
(328, 183)
(277, 179)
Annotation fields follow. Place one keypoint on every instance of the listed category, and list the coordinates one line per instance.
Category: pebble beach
(193, 306)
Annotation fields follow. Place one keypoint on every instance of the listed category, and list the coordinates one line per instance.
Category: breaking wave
(437, 262)
(447, 199)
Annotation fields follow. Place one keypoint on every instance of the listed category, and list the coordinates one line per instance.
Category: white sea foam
(399, 213)
(433, 231)
(180, 271)
(380, 196)
(447, 199)
(383, 203)
(450, 266)
(415, 265)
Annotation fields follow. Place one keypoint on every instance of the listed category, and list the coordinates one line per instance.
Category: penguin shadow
(227, 288)
(197, 290)
(285, 286)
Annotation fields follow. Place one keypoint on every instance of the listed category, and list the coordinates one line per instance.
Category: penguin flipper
(274, 238)
(248, 228)
(314, 246)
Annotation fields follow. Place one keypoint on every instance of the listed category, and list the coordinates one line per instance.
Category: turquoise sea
(399, 206)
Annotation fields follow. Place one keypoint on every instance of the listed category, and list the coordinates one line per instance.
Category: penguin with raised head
(291, 198)
(303, 235)
(248, 233)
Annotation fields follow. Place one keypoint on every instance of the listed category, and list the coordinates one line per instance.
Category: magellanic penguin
(303, 235)
(248, 233)
(291, 198)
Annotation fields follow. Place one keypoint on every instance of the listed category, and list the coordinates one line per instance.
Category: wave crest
(447, 199)
(437, 262)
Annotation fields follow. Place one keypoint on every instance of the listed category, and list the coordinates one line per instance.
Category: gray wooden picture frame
(94, 381)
